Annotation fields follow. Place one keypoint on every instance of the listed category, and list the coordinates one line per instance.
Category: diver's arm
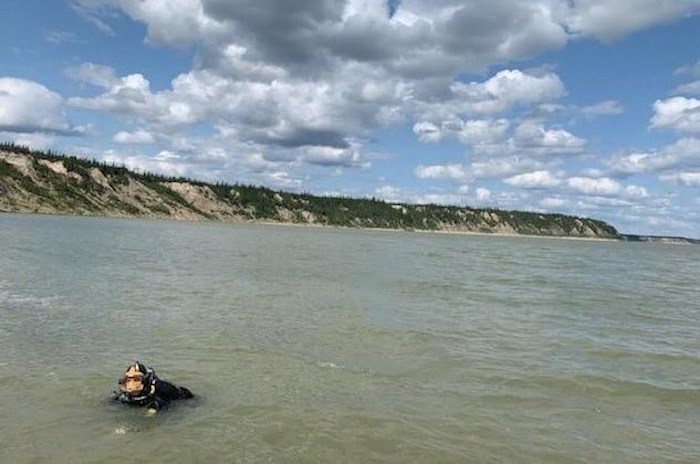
(169, 392)
(156, 405)
(163, 392)
(185, 393)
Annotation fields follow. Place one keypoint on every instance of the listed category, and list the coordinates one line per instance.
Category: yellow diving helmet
(135, 379)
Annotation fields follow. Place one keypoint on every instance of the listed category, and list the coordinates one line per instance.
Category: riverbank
(35, 182)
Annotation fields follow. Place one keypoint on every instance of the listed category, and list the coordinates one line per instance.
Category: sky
(583, 107)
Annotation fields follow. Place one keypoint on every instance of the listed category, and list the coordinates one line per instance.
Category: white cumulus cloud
(535, 136)
(691, 179)
(29, 107)
(636, 192)
(482, 194)
(500, 167)
(680, 114)
(591, 186)
(604, 108)
(683, 154)
(449, 171)
(483, 131)
(553, 202)
(428, 132)
(691, 88)
(329, 156)
(136, 137)
(609, 20)
(506, 89)
(94, 74)
(689, 69)
(164, 162)
(534, 180)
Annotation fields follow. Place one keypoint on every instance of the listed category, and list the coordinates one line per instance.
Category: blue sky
(585, 107)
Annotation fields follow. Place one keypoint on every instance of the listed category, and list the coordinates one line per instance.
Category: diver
(140, 386)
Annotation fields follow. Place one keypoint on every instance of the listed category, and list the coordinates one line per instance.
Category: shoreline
(440, 232)
(319, 226)
(233, 221)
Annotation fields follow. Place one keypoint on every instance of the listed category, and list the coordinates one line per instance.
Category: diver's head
(134, 380)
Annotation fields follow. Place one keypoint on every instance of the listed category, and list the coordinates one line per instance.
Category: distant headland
(43, 182)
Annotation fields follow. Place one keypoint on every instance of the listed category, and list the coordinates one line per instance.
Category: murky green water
(334, 346)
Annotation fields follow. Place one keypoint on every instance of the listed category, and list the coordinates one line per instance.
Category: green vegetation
(167, 193)
(7, 171)
(123, 192)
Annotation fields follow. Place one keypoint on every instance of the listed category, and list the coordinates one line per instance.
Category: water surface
(328, 345)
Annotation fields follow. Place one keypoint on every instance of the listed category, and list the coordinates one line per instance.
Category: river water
(309, 345)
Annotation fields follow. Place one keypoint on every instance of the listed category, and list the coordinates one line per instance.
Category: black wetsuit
(157, 394)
